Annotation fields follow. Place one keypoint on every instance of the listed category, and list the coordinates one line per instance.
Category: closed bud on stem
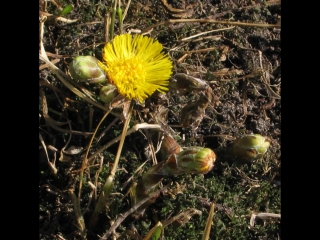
(250, 147)
(87, 69)
(191, 160)
(108, 93)
(196, 160)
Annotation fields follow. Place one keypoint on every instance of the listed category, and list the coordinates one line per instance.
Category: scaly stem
(195, 160)
(109, 182)
(77, 211)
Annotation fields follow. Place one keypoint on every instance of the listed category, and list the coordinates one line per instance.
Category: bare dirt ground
(241, 62)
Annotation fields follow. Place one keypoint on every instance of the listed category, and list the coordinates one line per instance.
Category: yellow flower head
(136, 66)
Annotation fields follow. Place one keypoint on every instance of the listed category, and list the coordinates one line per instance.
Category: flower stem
(85, 160)
(109, 182)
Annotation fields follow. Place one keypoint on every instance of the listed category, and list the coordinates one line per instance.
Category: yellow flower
(136, 66)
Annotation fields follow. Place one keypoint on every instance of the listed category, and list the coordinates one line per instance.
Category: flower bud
(192, 160)
(250, 147)
(196, 160)
(86, 69)
(108, 93)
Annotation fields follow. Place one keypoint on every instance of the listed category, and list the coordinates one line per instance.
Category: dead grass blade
(203, 33)
(58, 18)
(262, 216)
(52, 166)
(172, 21)
(182, 217)
(131, 130)
(207, 229)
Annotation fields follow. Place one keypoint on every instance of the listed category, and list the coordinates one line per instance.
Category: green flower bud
(86, 69)
(250, 147)
(108, 93)
(196, 160)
